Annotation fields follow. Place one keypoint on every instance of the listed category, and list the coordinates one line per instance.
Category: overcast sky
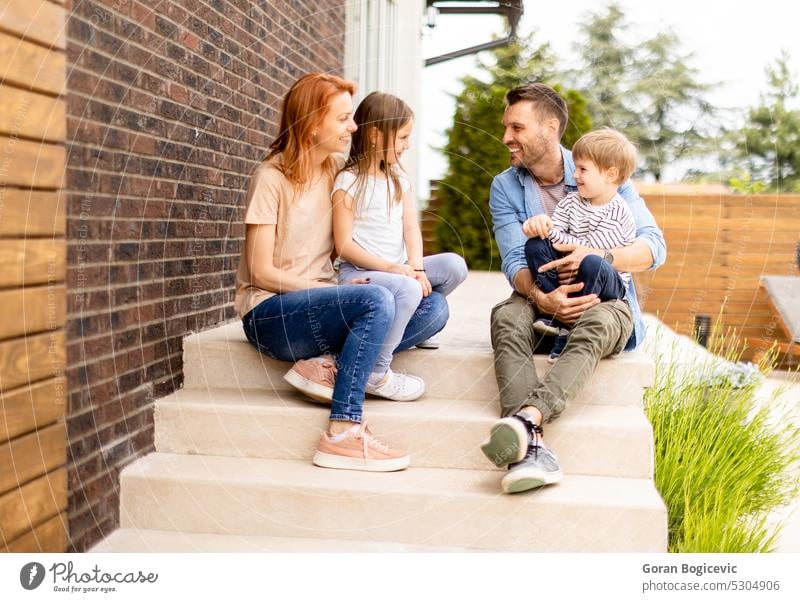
(732, 41)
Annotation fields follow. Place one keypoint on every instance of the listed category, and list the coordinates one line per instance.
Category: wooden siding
(33, 439)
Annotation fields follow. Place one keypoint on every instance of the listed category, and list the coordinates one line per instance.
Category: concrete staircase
(232, 469)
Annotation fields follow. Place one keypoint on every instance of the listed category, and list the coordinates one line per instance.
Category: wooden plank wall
(718, 248)
(33, 477)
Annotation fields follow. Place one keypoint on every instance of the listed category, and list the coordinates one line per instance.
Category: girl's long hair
(304, 108)
(386, 113)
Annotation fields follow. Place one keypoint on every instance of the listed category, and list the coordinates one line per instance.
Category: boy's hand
(538, 225)
(422, 278)
(568, 265)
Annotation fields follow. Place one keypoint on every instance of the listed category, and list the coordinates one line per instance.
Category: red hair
(304, 108)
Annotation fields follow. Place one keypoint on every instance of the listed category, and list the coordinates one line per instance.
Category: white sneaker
(397, 387)
(431, 343)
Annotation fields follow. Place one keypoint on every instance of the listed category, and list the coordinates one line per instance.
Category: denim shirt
(514, 197)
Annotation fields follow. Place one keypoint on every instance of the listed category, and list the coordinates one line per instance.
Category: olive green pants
(601, 331)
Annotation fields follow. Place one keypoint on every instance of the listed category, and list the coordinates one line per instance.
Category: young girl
(377, 237)
(291, 308)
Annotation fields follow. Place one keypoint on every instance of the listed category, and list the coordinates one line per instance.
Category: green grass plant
(723, 462)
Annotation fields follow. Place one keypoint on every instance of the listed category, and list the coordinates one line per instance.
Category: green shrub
(722, 463)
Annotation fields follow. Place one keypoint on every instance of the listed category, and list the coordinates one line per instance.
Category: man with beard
(542, 173)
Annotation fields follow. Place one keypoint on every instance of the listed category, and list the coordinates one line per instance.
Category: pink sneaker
(359, 450)
(315, 377)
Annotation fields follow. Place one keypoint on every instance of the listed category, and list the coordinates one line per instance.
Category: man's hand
(567, 266)
(559, 305)
(538, 225)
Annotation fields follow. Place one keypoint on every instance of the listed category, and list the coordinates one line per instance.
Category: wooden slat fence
(33, 476)
(718, 248)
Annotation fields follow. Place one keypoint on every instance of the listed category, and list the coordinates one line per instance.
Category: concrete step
(419, 506)
(462, 369)
(589, 439)
(151, 540)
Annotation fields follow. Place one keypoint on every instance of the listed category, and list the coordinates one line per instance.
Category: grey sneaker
(509, 439)
(539, 467)
(546, 326)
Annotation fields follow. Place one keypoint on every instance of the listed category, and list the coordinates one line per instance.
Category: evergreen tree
(606, 57)
(476, 152)
(674, 119)
(647, 90)
(769, 144)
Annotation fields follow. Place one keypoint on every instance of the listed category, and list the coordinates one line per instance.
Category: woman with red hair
(286, 295)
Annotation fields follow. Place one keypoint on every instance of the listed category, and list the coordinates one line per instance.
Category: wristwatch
(608, 257)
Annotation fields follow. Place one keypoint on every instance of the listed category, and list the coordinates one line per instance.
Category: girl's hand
(422, 278)
(402, 270)
(538, 225)
(358, 281)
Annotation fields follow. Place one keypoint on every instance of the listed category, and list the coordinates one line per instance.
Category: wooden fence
(718, 246)
(33, 477)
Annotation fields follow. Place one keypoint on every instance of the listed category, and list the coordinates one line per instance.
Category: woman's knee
(374, 298)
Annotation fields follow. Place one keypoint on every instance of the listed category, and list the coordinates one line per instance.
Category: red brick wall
(170, 104)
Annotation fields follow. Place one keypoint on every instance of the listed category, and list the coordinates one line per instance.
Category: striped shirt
(578, 222)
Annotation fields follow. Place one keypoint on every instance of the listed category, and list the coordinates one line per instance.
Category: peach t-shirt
(303, 233)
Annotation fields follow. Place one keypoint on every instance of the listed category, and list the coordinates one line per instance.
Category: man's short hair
(545, 100)
(607, 148)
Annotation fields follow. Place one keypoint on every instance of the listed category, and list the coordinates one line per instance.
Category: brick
(143, 14)
(170, 106)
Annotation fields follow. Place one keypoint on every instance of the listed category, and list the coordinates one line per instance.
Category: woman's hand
(358, 281)
(422, 278)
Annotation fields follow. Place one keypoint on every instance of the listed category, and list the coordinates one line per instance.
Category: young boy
(596, 217)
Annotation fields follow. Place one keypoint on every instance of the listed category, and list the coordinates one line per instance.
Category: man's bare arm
(636, 257)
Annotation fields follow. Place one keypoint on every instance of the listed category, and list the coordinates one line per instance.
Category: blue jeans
(349, 322)
(445, 272)
(598, 277)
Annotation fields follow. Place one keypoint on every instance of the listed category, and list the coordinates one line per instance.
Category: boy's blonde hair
(607, 148)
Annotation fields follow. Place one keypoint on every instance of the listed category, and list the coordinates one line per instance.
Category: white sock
(377, 377)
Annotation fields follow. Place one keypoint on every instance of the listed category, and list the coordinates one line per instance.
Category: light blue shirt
(514, 197)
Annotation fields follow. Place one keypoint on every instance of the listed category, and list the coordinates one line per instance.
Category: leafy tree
(606, 57)
(476, 153)
(646, 89)
(674, 119)
(769, 144)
